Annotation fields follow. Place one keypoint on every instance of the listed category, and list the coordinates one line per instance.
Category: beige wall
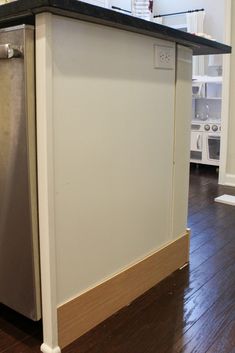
(231, 128)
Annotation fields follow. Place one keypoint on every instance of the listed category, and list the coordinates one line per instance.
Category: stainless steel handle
(198, 142)
(9, 51)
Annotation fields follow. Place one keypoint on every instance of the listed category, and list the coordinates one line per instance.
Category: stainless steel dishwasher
(19, 250)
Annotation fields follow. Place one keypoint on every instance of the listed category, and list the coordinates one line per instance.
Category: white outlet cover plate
(227, 199)
(164, 57)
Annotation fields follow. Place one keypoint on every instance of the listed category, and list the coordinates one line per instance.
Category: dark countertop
(24, 11)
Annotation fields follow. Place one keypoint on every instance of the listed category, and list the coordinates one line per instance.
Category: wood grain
(225, 340)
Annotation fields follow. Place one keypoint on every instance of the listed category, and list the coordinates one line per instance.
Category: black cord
(179, 13)
(119, 8)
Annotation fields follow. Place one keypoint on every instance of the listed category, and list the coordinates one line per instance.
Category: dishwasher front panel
(19, 250)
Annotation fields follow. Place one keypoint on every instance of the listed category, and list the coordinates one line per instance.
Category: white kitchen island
(113, 149)
(113, 140)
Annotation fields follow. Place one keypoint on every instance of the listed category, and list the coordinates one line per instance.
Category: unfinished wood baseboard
(81, 314)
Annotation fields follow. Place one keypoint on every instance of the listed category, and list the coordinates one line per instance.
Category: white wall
(215, 9)
(230, 168)
(101, 3)
(123, 4)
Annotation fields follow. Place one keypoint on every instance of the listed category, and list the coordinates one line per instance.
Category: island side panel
(113, 148)
(183, 117)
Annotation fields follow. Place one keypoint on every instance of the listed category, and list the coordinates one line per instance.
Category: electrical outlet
(164, 57)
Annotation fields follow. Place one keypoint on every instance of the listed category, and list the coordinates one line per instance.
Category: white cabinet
(115, 172)
(196, 145)
(196, 141)
(206, 120)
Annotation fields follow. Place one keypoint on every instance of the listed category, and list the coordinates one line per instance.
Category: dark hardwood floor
(18, 334)
(192, 311)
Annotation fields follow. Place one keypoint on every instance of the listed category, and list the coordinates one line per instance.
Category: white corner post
(44, 96)
(225, 96)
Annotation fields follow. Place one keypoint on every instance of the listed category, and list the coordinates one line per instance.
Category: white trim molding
(225, 96)
(229, 180)
(46, 349)
(45, 155)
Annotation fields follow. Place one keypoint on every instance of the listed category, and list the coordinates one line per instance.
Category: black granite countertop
(24, 11)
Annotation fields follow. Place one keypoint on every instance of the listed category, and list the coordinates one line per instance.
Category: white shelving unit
(206, 120)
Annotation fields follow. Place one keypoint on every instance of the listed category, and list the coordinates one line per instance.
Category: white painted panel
(113, 132)
(183, 114)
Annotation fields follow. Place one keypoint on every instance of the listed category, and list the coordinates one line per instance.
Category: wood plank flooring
(18, 334)
(192, 311)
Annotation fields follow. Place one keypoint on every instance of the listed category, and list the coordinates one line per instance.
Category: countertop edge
(25, 10)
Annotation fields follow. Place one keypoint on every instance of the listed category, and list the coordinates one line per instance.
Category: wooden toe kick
(81, 314)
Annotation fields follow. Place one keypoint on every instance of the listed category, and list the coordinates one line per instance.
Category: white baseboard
(46, 349)
(226, 199)
(229, 180)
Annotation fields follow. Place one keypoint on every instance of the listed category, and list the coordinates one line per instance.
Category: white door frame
(225, 97)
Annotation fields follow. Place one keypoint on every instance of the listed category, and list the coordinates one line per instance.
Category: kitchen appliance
(206, 120)
(205, 143)
(19, 250)
(198, 89)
